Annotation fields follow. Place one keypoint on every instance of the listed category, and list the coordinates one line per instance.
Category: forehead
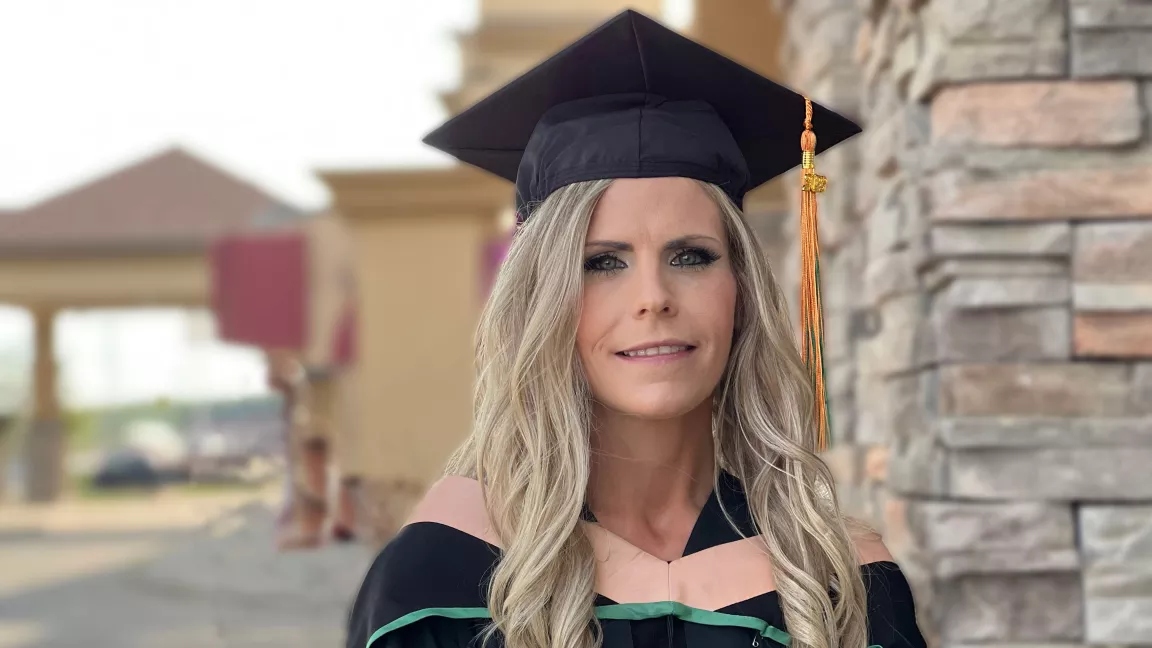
(655, 207)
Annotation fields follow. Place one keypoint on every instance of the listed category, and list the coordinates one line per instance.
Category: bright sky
(267, 89)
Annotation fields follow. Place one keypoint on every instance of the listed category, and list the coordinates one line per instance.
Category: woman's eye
(603, 263)
(694, 257)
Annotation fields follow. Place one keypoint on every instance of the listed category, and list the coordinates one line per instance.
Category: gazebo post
(45, 445)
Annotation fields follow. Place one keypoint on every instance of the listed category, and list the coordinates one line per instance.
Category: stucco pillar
(45, 445)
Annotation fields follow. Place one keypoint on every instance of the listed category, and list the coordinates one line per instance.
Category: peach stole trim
(457, 502)
(706, 580)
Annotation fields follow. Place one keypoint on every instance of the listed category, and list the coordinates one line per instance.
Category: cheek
(592, 324)
(715, 307)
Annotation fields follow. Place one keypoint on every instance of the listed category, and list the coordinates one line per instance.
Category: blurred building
(136, 237)
(422, 239)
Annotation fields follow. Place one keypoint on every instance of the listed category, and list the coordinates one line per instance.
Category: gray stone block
(999, 335)
(1008, 292)
(1093, 14)
(919, 468)
(1107, 298)
(1044, 432)
(1012, 608)
(1064, 474)
(888, 276)
(1002, 268)
(1109, 53)
(886, 225)
(1045, 239)
(1118, 603)
(1031, 644)
(1116, 535)
(961, 527)
(991, 20)
(947, 62)
(1006, 562)
(1142, 389)
(938, 275)
(897, 346)
(892, 408)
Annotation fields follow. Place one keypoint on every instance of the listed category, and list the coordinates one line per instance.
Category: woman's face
(659, 298)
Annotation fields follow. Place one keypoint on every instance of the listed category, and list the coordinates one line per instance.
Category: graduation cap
(634, 99)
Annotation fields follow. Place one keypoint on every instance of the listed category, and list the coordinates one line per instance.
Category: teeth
(655, 351)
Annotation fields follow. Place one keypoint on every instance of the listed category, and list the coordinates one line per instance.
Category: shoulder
(867, 542)
(448, 534)
(436, 566)
(891, 607)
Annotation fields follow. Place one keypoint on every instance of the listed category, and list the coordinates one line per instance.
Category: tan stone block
(864, 38)
(1113, 252)
(1113, 335)
(897, 532)
(876, 463)
(1041, 113)
(1051, 389)
(844, 462)
(1048, 195)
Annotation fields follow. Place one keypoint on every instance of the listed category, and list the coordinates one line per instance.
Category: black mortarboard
(631, 99)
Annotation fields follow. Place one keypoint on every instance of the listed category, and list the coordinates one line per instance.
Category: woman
(643, 467)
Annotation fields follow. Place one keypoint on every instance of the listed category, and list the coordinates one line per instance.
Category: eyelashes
(687, 258)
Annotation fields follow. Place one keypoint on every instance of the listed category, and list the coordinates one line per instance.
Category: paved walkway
(178, 572)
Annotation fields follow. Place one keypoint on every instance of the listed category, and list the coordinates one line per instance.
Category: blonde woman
(643, 468)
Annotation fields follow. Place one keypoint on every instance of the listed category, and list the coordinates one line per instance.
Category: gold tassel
(811, 308)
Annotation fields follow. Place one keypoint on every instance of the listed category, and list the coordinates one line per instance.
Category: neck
(650, 470)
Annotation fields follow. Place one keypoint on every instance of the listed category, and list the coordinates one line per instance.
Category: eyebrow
(674, 243)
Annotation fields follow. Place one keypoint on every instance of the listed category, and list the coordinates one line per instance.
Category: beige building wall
(418, 240)
(419, 303)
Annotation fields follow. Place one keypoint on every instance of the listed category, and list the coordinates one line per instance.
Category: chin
(657, 406)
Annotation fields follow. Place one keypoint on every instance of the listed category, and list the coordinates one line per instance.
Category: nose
(653, 295)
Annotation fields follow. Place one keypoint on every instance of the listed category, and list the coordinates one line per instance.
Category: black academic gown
(425, 590)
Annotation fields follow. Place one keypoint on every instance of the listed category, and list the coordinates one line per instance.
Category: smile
(654, 351)
(657, 351)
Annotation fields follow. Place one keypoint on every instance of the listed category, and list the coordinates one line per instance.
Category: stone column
(1000, 391)
(45, 446)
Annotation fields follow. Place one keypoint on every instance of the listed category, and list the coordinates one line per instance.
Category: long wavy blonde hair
(530, 443)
